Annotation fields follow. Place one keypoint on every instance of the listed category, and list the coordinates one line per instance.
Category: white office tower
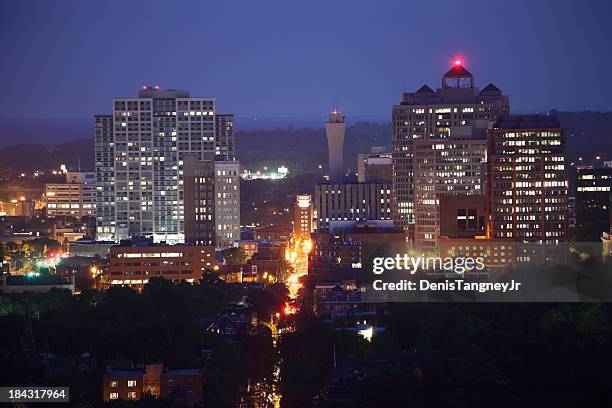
(335, 127)
(139, 162)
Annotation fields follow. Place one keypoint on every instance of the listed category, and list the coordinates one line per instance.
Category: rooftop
(527, 122)
(23, 280)
(458, 70)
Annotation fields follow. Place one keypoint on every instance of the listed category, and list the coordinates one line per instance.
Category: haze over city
(279, 59)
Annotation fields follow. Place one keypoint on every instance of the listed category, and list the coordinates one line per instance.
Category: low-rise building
(272, 232)
(268, 246)
(182, 385)
(35, 283)
(263, 268)
(351, 202)
(375, 166)
(76, 197)
(18, 208)
(232, 320)
(344, 302)
(134, 263)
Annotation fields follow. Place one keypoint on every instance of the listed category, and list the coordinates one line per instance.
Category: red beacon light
(457, 62)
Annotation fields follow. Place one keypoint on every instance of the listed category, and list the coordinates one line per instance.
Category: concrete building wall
(351, 201)
(335, 128)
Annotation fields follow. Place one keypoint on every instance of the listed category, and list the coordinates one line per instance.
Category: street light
(94, 275)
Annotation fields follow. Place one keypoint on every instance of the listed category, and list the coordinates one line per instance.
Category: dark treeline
(477, 355)
(160, 324)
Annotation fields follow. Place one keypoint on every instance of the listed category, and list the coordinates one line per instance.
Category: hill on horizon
(589, 134)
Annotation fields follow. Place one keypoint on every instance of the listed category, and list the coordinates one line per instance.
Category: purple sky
(68, 59)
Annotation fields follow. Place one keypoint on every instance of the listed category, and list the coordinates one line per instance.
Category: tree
(234, 256)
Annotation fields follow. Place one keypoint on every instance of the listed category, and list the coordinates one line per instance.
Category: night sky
(268, 58)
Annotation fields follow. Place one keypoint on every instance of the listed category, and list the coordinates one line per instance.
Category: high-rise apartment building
(104, 147)
(527, 179)
(593, 201)
(457, 110)
(224, 139)
(212, 201)
(199, 198)
(140, 153)
(227, 203)
(75, 198)
(443, 167)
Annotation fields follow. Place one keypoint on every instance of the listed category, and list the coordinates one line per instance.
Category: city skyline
(300, 72)
(189, 220)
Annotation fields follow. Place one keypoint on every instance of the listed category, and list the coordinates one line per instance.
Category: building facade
(75, 198)
(199, 198)
(443, 167)
(593, 200)
(227, 203)
(302, 218)
(134, 263)
(457, 110)
(335, 128)
(462, 216)
(104, 147)
(527, 190)
(184, 385)
(374, 166)
(139, 161)
(351, 202)
(224, 137)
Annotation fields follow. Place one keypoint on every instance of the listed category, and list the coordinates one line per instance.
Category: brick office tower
(527, 190)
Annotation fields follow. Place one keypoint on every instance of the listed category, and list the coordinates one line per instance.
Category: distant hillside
(43, 131)
(297, 148)
(30, 157)
(302, 149)
(589, 135)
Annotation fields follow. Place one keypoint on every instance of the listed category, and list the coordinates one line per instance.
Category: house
(347, 377)
(184, 385)
(232, 320)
